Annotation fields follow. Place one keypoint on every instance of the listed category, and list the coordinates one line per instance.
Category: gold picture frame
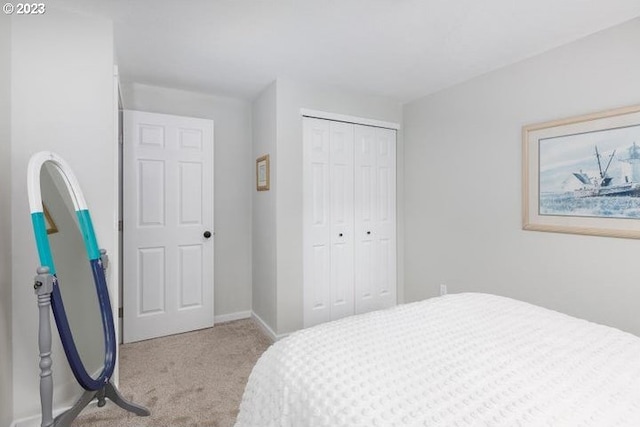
(262, 173)
(48, 221)
(581, 175)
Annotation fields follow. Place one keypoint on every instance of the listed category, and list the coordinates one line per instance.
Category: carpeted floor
(187, 380)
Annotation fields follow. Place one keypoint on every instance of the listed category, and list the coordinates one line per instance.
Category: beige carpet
(186, 380)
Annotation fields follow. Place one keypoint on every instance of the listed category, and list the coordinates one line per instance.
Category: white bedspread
(457, 360)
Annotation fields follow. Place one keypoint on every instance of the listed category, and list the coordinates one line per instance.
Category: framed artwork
(262, 173)
(582, 175)
(48, 221)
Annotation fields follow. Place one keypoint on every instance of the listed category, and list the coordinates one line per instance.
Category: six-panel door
(168, 208)
(328, 221)
(375, 218)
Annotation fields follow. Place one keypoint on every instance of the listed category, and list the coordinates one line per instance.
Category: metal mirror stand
(43, 285)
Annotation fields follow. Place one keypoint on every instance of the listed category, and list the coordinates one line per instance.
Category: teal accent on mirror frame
(86, 228)
(42, 241)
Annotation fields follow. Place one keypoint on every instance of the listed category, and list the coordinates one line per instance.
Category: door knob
(340, 235)
(368, 232)
(207, 234)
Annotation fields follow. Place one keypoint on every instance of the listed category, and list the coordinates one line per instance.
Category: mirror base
(43, 285)
(109, 391)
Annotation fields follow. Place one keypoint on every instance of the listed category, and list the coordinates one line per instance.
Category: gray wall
(291, 97)
(233, 175)
(463, 185)
(63, 101)
(6, 348)
(264, 209)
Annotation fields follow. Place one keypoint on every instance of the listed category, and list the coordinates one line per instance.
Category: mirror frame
(36, 163)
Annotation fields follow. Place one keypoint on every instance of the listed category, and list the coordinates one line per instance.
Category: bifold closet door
(375, 218)
(328, 253)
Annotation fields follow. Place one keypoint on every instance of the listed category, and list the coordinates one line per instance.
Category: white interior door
(168, 214)
(316, 221)
(375, 218)
(341, 196)
(385, 230)
(365, 218)
(328, 221)
(349, 219)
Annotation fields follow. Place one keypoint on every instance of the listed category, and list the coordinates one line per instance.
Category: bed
(457, 360)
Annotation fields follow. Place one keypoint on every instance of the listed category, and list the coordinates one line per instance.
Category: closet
(349, 219)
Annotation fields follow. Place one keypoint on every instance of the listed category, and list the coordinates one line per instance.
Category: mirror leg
(66, 418)
(101, 398)
(112, 393)
(43, 285)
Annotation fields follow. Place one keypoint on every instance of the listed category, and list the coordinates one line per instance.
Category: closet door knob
(207, 234)
(340, 235)
(368, 232)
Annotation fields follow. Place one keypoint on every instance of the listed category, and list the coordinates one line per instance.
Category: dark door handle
(368, 232)
(207, 234)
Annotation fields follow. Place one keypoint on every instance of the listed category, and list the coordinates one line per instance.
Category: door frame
(317, 114)
(115, 283)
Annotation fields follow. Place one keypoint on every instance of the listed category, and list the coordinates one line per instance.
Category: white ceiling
(402, 49)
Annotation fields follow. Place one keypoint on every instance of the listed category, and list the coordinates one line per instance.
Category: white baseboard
(231, 316)
(266, 328)
(33, 421)
(69, 388)
(263, 325)
(36, 420)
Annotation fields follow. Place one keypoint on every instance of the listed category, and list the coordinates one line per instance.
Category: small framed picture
(262, 173)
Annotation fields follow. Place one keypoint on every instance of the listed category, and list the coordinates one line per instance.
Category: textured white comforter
(457, 360)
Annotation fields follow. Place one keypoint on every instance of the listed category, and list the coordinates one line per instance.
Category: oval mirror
(71, 279)
(67, 246)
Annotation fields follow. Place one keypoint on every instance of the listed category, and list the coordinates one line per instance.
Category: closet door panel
(385, 237)
(365, 213)
(316, 222)
(341, 177)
